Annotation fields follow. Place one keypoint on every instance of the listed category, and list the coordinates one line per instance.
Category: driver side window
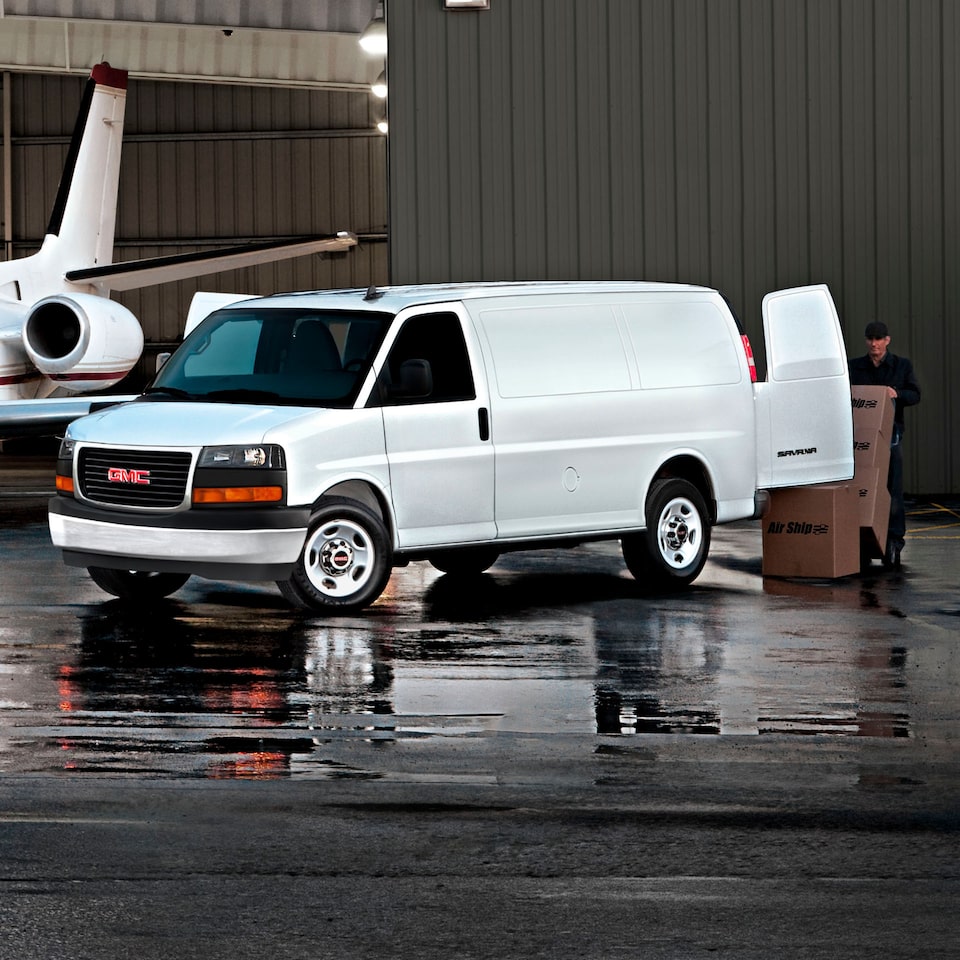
(438, 339)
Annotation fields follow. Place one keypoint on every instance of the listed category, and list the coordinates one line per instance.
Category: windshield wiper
(169, 391)
(242, 394)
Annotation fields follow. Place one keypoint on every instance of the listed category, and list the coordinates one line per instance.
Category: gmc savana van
(320, 439)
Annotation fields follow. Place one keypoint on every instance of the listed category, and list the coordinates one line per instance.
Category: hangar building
(748, 145)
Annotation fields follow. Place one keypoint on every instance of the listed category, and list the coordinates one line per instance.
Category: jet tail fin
(84, 213)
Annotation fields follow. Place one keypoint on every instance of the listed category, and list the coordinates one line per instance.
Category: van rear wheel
(671, 552)
(137, 584)
(345, 561)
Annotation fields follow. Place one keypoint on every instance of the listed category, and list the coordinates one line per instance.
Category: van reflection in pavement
(254, 692)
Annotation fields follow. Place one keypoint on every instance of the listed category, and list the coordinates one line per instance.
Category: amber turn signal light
(237, 494)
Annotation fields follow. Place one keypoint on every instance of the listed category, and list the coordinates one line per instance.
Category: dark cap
(876, 330)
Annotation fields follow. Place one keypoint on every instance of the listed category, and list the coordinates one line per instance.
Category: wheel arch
(371, 496)
(687, 466)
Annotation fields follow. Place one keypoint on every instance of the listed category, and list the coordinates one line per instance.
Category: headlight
(255, 474)
(64, 471)
(267, 455)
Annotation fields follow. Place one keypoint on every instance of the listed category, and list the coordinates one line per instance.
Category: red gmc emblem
(122, 475)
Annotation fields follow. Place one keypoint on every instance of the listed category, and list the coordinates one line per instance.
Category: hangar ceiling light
(373, 40)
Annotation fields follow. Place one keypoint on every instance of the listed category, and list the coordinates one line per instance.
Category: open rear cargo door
(804, 415)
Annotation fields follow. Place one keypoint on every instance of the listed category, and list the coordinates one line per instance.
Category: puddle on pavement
(231, 684)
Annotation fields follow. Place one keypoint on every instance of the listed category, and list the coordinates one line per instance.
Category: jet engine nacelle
(81, 341)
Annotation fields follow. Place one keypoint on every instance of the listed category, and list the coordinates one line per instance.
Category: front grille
(134, 478)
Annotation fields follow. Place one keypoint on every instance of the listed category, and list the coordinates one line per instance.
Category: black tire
(464, 563)
(137, 584)
(671, 552)
(345, 562)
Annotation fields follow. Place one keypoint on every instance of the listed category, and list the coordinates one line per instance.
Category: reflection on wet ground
(225, 681)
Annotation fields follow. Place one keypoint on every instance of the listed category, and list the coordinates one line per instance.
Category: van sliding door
(804, 418)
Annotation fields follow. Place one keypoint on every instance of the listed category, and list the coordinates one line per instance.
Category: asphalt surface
(540, 763)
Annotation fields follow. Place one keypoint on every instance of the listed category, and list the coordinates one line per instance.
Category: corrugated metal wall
(208, 165)
(744, 144)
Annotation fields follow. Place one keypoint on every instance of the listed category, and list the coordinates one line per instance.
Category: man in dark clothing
(879, 367)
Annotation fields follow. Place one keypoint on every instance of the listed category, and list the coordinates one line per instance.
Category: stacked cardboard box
(872, 431)
(825, 529)
(812, 531)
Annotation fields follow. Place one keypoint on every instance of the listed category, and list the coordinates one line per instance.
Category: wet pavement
(756, 767)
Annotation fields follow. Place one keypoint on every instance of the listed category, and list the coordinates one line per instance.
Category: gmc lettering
(122, 475)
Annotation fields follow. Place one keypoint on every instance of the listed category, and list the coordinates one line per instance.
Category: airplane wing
(50, 416)
(144, 273)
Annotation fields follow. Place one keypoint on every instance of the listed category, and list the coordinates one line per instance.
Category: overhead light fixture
(379, 86)
(373, 40)
(383, 126)
(466, 4)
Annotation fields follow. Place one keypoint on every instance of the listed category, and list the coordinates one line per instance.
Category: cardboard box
(873, 412)
(873, 416)
(812, 531)
(874, 499)
(871, 450)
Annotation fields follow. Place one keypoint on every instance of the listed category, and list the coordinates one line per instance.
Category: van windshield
(291, 357)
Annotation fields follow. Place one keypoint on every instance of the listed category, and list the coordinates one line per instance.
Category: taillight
(751, 363)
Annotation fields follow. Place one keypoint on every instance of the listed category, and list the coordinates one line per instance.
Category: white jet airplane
(59, 329)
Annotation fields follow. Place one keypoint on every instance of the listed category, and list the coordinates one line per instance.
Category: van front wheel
(671, 552)
(345, 561)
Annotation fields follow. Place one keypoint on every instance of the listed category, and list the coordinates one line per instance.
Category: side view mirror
(416, 380)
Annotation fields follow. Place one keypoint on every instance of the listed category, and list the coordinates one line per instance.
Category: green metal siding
(744, 144)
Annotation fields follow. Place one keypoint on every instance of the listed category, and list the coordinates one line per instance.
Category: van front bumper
(221, 544)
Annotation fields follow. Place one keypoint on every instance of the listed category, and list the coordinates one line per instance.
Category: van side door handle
(484, 417)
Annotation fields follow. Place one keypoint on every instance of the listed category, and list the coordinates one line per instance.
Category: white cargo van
(320, 439)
